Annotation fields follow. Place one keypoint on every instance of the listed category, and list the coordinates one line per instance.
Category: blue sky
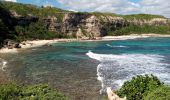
(53, 2)
(134, 1)
(41, 2)
(160, 7)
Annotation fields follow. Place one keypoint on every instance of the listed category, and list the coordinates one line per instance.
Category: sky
(160, 7)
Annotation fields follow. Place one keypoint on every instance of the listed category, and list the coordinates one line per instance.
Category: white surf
(3, 64)
(120, 46)
(113, 69)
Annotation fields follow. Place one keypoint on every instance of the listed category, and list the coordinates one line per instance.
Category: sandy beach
(36, 43)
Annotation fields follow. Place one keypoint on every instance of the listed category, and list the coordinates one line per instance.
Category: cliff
(33, 22)
(87, 25)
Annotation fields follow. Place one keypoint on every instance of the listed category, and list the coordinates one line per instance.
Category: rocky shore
(36, 43)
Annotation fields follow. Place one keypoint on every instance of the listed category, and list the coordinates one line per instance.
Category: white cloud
(11, 0)
(119, 6)
(115, 6)
(161, 7)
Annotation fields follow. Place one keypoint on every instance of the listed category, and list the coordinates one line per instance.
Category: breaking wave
(113, 69)
(3, 64)
(120, 46)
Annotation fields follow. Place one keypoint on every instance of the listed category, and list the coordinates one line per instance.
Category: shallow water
(82, 69)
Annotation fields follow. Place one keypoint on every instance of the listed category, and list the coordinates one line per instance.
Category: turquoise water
(85, 69)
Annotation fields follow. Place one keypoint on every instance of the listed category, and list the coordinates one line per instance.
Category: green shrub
(41, 92)
(9, 92)
(139, 86)
(37, 92)
(161, 93)
(36, 31)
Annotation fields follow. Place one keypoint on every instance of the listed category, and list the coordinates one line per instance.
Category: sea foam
(120, 46)
(2, 64)
(114, 70)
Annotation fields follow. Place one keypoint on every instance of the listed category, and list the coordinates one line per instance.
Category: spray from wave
(120, 46)
(3, 64)
(113, 70)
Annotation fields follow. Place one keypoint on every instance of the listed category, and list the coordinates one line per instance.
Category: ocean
(83, 70)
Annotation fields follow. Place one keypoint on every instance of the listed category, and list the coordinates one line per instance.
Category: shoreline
(37, 43)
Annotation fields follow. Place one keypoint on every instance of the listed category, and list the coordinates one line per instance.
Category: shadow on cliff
(7, 24)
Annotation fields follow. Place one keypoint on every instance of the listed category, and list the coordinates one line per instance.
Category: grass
(141, 16)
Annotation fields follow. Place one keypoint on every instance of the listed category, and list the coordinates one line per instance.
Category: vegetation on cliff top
(128, 17)
(28, 9)
(137, 29)
(141, 16)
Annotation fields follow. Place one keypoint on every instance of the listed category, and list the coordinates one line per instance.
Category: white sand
(133, 36)
(36, 43)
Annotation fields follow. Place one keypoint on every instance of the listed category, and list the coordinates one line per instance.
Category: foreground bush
(139, 87)
(37, 92)
(10, 92)
(161, 93)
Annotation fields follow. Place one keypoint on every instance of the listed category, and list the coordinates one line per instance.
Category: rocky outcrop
(112, 96)
(81, 25)
(51, 23)
(10, 44)
(89, 25)
(85, 25)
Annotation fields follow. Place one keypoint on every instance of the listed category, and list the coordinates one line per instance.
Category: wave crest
(113, 69)
(120, 46)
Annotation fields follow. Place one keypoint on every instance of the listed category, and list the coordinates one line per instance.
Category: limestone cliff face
(91, 26)
(82, 25)
(154, 21)
(86, 25)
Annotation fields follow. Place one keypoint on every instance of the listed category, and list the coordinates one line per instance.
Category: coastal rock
(51, 23)
(10, 44)
(91, 26)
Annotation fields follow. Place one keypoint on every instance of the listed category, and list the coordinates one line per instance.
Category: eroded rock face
(51, 23)
(154, 21)
(90, 25)
(86, 25)
(10, 44)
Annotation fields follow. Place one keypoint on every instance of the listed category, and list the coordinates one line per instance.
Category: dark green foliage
(10, 29)
(139, 87)
(6, 25)
(9, 92)
(36, 31)
(37, 92)
(41, 92)
(161, 93)
(131, 29)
